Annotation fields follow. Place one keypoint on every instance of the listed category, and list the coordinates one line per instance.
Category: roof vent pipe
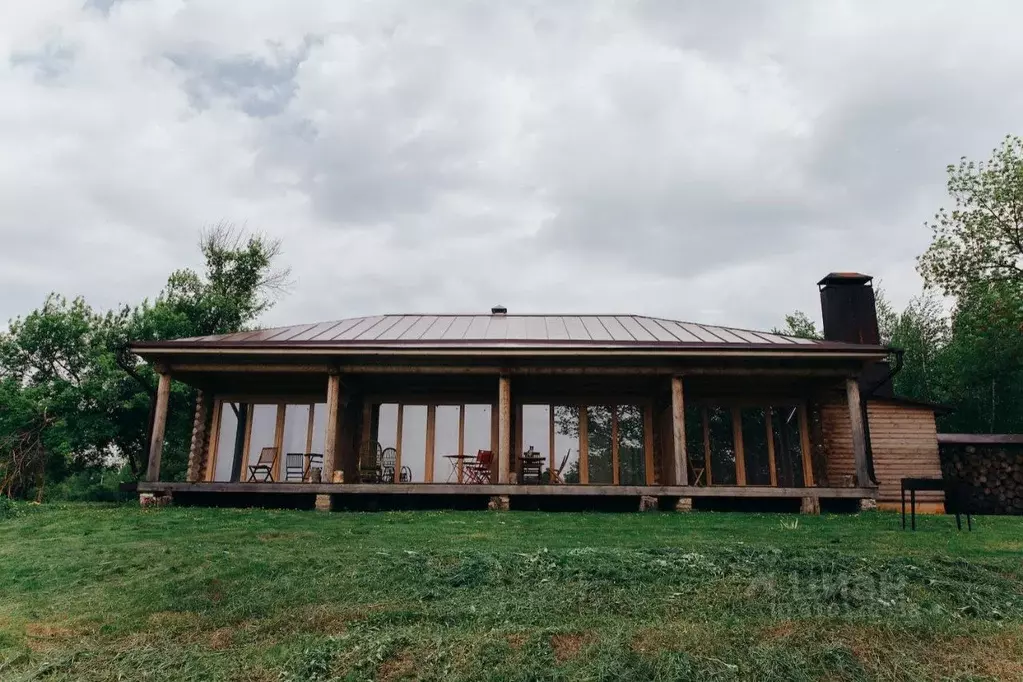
(498, 310)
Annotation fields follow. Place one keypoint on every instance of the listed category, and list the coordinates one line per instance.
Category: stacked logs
(992, 475)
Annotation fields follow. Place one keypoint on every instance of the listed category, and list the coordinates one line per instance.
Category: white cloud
(696, 160)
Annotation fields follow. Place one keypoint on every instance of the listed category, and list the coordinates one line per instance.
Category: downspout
(865, 415)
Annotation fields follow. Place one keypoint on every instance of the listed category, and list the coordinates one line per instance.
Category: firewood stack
(993, 474)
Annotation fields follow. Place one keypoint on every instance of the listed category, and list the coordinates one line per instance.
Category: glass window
(754, 446)
(566, 443)
(445, 468)
(788, 448)
(631, 455)
(296, 433)
(262, 433)
(387, 426)
(536, 433)
(319, 427)
(413, 441)
(227, 438)
(722, 445)
(695, 450)
(478, 430)
(598, 433)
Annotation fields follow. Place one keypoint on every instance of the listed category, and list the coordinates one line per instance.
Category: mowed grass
(115, 593)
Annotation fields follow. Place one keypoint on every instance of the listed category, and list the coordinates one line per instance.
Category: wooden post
(159, 427)
(504, 434)
(804, 442)
(648, 444)
(584, 445)
(551, 459)
(397, 445)
(214, 441)
(461, 441)
(769, 420)
(852, 392)
(615, 455)
(332, 439)
(737, 445)
(279, 442)
(705, 416)
(431, 441)
(678, 431)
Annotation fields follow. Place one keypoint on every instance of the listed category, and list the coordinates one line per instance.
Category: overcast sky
(706, 161)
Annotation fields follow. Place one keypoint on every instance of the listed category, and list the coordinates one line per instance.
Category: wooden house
(501, 407)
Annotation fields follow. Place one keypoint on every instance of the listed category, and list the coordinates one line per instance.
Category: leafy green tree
(981, 238)
(921, 332)
(800, 325)
(73, 364)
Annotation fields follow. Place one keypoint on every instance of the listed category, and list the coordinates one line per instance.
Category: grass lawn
(112, 593)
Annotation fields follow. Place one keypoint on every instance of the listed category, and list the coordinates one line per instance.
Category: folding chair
(479, 470)
(294, 466)
(264, 465)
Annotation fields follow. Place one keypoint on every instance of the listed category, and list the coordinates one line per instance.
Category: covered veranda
(673, 427)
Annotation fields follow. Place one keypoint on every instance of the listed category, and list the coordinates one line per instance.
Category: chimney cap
(498, 310)
(845, 278)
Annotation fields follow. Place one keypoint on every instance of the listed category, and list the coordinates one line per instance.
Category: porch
(670, 435)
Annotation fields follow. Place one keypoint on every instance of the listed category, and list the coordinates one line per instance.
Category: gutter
(865, 398)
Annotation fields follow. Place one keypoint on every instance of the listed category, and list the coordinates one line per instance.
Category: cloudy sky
(703, 161)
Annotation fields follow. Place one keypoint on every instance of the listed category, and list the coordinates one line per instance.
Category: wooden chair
(479, 470)
(294, 466)
(265, 465)
(554, 477)
(696, 472)
(370, 460)
(388, 463)
(531, 466)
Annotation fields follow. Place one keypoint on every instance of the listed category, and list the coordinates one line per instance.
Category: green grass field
(115, 593)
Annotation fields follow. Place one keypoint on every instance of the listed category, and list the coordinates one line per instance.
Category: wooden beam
(804, 439)
(431, 441)
(518, 441)
(740, 451)
(504, 439)
(251, 368)
(859, 439)
(678, 431)
(648, 444)
(332, 439)
(279, 441)
(159, 427)
(495, 438)
(399, 427)
(615, 454)
(461, 442)
(214, 445)
(310, 427)
(769, 420)
(370, 489)
(551, 434)
(250, 411)
(707, 468)
(584, 445)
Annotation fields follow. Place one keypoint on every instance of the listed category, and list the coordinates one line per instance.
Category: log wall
(991, 473)
(904, 441)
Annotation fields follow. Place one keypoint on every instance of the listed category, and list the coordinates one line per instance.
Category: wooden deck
(454, 489)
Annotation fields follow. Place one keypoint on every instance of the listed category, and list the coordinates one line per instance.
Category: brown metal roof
(499, 331)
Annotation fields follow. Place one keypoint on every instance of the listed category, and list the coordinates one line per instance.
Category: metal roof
(507, 331)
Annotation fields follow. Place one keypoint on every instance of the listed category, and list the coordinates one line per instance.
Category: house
(500, 407)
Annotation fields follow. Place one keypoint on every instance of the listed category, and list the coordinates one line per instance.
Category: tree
(72, 364)
(981, 238)
(800, 325)
(921, 331)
